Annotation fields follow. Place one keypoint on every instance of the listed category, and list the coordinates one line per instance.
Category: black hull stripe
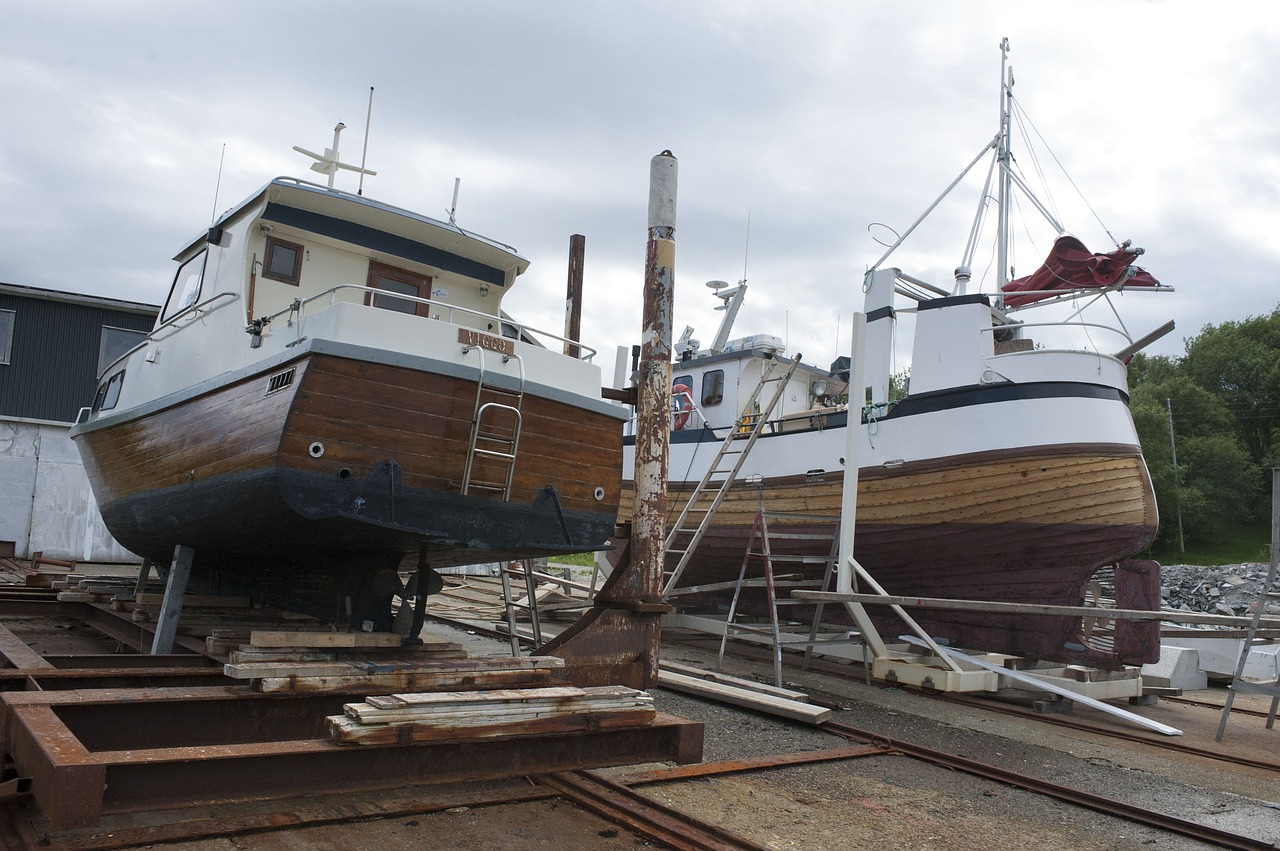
(928, 403)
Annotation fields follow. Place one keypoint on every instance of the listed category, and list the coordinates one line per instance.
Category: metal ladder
(495, 429)
(779, 586)
(1238, 682)
(716, 489)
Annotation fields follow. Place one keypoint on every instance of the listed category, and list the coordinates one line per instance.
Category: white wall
(45, 500)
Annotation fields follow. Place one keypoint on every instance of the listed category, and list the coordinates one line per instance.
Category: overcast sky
(809, 120)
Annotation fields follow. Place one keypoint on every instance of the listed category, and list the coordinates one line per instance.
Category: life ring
(681, 405)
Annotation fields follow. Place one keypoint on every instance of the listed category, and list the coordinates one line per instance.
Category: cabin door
(398, 281)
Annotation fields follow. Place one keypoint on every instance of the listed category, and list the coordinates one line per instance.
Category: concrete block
(1179, 667)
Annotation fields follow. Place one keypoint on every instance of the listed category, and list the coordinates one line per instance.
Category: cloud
(810, 119)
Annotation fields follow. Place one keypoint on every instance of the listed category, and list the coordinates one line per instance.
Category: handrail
(299, 304)
(195, 309)
(1022, 325)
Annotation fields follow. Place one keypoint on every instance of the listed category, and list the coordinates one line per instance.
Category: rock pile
(1231, 589)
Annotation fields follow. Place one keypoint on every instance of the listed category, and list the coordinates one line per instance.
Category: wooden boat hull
(328, 467)
(1030, 525)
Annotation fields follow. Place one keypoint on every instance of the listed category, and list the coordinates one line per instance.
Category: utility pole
(1177, 479)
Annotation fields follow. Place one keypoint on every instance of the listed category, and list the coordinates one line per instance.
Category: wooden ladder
(495, 429)
(743, 433)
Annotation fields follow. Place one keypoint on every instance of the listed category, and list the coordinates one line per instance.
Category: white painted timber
(742, 697)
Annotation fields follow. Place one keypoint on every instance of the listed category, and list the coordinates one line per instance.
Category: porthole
(316, 450)
(599, 493)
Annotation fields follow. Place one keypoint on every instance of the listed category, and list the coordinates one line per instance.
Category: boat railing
(1068, 326)
(451, 310)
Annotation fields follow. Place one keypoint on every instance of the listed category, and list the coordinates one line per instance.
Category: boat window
(283, 261)
(186, 286)
(394, 280)
(114, 342)
(109, 392)
(686, 380)
(712, 388)
(6, 334)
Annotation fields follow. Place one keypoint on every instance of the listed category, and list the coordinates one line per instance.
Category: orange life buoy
(681, 405)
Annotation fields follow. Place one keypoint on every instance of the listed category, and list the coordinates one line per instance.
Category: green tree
(1215, 479)
(1239, 363)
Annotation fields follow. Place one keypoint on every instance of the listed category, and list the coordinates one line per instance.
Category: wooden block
(76, 597)
(290, 638)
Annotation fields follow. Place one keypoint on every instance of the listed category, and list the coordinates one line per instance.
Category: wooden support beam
(174, 589)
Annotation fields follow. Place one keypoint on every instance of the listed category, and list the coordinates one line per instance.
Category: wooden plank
(741, 697)
(291, 638)
(423, 680)
(348, 730)
(470, 665)
(737, 682)
(246, 654)
(196, 600)
(462, 714)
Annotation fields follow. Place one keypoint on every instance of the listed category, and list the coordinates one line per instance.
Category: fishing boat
(332, 388)
(1005, 468)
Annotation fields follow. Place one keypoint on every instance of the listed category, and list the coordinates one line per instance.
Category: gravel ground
(870, 802)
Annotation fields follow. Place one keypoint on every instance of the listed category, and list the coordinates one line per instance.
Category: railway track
(1078, 797)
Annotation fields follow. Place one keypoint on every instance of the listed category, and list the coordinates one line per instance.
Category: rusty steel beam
(735, 766)
(90, 753)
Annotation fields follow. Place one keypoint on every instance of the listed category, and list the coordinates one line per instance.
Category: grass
(577, 559)
(1228, 543)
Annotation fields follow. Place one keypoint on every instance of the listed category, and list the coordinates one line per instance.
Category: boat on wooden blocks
(1004, 465)
(333, 387)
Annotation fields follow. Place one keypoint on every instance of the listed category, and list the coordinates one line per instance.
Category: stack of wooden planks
(308, 661)
(426, 717)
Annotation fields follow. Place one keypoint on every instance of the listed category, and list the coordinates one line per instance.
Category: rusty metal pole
(573, 298)
(653, 409)
(617, 641)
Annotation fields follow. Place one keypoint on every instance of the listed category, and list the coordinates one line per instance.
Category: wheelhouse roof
(312, 196)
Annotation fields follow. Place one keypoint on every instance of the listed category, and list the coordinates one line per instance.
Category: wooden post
(174, 589)
(573, 297)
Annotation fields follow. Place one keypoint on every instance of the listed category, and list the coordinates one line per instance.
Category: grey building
(53, 345)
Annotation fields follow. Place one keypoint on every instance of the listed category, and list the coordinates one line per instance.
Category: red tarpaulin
(1070, 266)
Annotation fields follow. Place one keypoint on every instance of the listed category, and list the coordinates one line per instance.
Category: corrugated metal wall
(54, 357)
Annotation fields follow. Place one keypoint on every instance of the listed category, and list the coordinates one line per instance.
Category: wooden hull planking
(350, 465)
(1030, 526)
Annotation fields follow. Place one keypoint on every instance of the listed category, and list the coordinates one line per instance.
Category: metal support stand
(174, 589)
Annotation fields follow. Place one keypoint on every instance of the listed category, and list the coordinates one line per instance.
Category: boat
(333, 388)
(1005, 468)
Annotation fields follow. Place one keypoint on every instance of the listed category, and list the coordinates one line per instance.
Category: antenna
(364, 155)
(217, 187)
(328, 162)
(746, 249)
(453, 208)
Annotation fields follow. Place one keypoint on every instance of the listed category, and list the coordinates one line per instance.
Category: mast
(1003, 156)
